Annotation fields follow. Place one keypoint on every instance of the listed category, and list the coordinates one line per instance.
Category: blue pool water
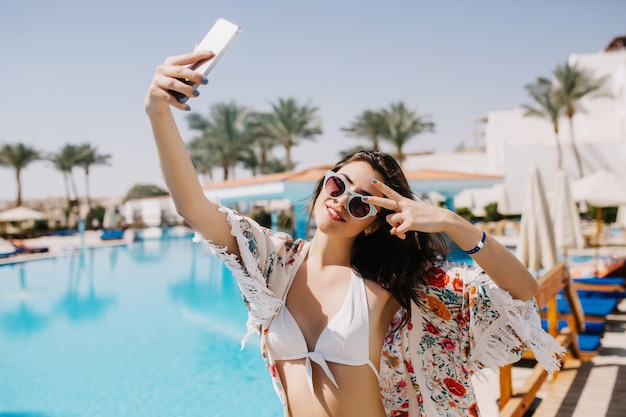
(151, 329)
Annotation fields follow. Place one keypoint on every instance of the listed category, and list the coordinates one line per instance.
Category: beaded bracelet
(479, 245)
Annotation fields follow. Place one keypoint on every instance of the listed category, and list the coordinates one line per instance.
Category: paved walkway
(596, 388)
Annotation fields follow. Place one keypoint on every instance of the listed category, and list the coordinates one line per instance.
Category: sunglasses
(336, 186)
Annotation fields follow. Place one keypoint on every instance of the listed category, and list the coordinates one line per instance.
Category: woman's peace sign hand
(409, 214)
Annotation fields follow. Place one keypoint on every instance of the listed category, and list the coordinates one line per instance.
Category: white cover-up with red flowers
(463, 323)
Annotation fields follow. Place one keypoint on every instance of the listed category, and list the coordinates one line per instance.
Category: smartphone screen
(217, 40)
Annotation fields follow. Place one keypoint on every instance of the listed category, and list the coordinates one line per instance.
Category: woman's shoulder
(446, 281)
(441, 273)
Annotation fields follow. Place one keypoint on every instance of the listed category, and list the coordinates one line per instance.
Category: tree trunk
(579, 163)
(19, 186)
(288, 155)
(400, 155)
(559, 152)
(87, 193)
(73, 183)
(67, 190)
(263, 162)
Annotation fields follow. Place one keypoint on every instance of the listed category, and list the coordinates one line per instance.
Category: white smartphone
(217, 40)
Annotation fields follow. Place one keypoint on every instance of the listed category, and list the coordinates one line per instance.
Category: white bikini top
(344, 340)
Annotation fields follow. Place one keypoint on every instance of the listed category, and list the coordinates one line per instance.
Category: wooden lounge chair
(555, 282)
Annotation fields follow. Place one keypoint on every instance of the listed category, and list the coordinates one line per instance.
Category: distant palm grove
(84, 156)
(231, 135)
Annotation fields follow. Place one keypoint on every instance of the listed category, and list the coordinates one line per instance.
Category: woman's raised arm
(497, 261)
(180, 176)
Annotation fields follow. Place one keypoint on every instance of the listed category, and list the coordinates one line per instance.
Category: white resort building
(514, 142)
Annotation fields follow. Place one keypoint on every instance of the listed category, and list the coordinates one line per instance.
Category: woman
(366, 319)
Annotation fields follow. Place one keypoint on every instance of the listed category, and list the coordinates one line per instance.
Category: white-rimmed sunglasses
(336, 186)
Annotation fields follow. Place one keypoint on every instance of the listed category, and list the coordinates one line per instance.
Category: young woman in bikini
(367, 318)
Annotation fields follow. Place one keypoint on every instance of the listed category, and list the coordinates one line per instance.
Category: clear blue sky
(76, 71)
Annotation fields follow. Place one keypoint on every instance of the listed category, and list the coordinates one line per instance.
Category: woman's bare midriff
(357, 395)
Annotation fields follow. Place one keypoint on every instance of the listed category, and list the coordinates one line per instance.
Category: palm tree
(549, 107)
(368, 125)
(89, 156)
(401, 124)
(290, 121)
(65, 160)
(18, 156)
(260, 130)
(574, 83)
(224, 133)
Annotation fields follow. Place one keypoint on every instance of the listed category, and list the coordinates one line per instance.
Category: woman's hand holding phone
(176, 74)
(217, 40)
(179, 76)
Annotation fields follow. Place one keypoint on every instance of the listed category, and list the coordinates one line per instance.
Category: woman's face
(331, 215)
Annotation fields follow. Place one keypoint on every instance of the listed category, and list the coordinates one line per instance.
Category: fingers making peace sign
(408, 214)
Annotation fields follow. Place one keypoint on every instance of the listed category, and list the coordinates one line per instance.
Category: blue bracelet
(479, 245)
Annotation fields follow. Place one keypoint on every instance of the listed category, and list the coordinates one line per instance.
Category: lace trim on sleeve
(495, 345)
(260, 301)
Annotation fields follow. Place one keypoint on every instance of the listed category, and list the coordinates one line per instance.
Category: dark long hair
(397, 265)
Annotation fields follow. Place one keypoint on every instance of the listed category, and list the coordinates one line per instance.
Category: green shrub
(491, 213)
(262, 217)
(466, 213)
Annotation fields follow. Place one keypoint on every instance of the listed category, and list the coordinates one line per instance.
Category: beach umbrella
(536, 248)
(601, 189)
(565, 216)
(20, 214)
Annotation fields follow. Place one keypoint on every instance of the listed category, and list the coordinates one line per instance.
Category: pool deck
(595, 388)
(60, 245)
(584, 389)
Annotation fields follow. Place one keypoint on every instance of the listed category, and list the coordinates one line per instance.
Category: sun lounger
(601, 285)
(514, 403)
(6, 249)
(7, 254)
(598, 268)
(603, 281)
(20, 247)
(591, 327)
(617, 295)
(65, 232)
(590, 340)
(594, 308)
(111, 234)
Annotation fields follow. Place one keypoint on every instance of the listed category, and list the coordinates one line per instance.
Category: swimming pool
(149, 329)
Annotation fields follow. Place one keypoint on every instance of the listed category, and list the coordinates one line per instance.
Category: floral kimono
(463, 323)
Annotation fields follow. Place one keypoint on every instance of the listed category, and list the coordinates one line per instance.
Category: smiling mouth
(334, 213)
